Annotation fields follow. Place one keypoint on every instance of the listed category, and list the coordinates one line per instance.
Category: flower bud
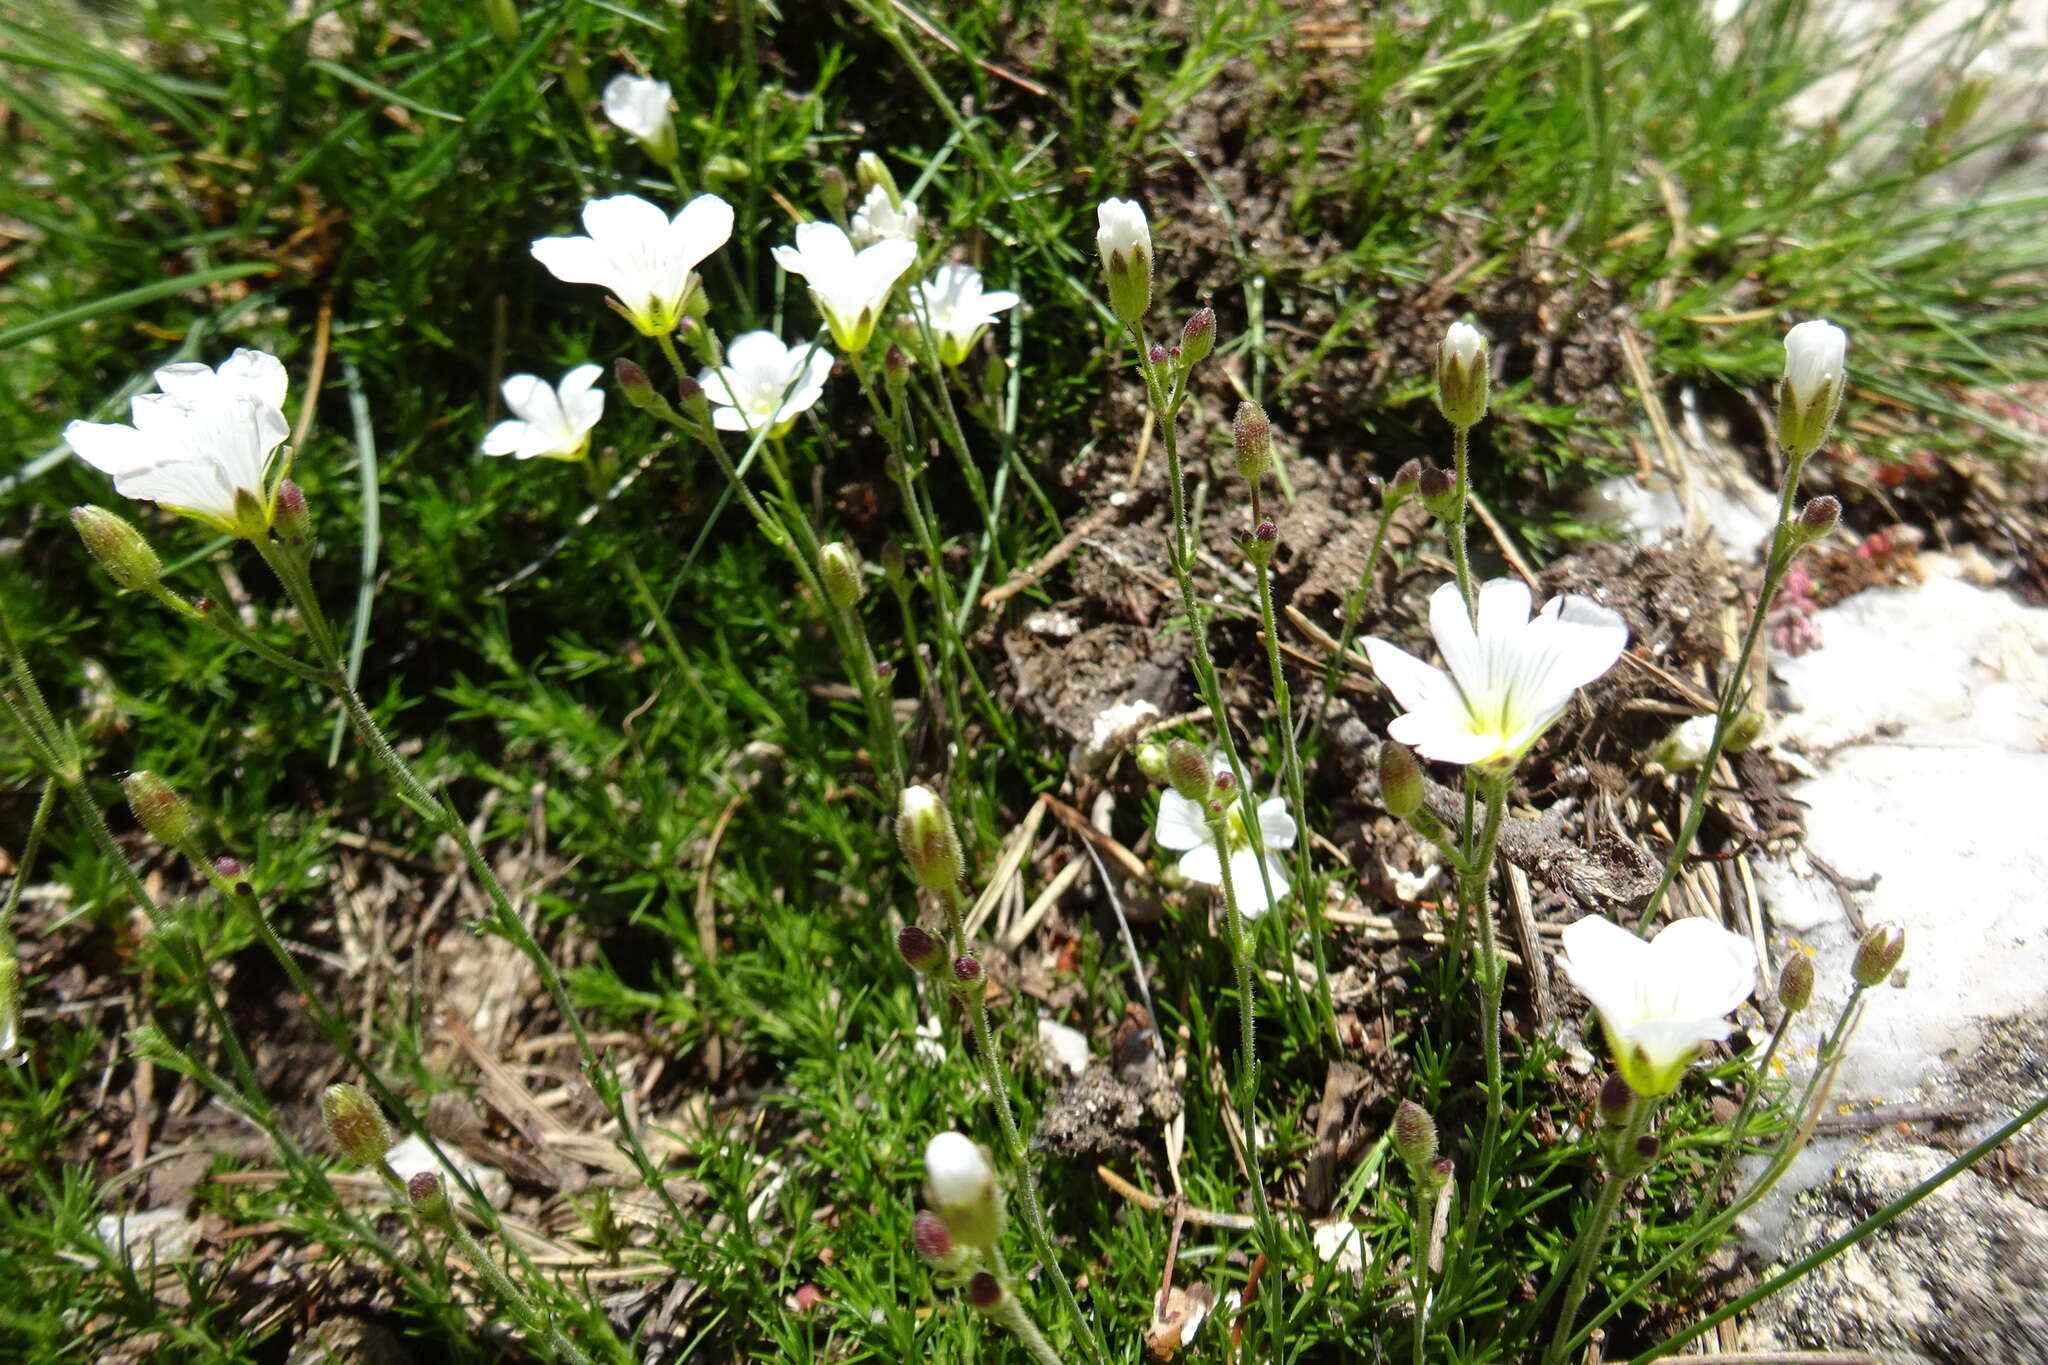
(1816, 372)
(1442, 1169)
(1151, 759)
(159, 809)
(961, 1188)
(892, 564)
(1253, 434)
(839, 567)
(966, 970)
(1438, 490)
(1795, 982)
(1198, 338)
(1223, 783)
(1647, 1148)
(832, 189)
(119, 547)
(1816, 521)
(1415, 1137)
(1400, 780)
(1123, 239)
(871, 171)
(1157, 355)
(503, 17)
(930, 844)
(1617, 1100)
(928, 1234)
(1259, 546)
(428, 1199)
(634, 385)
(985, 1292)
(919, 949)
(292, 522)
(1742, 731)
(1878, 954)
(1462, 376)
(1407, 479)
(355, 1124)
(1187, 768)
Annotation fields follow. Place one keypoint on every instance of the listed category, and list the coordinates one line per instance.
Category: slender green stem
(1354, 607)
(1733, 692)
(1166, 396)
(1418, 1255)
(443, 818)
(1010, 1312)
(1473, 885)
(1805, 1264)
(1461, 441)
(1013, 1138)
(1622, 1165)
(881, 709)
(1739, 1127)
(516, 1300)
(1290, 766)
(1811, 1099)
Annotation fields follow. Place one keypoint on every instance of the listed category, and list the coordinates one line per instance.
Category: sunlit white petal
(1660, 999)
(548, 421)
(646, 259)
(765, 383)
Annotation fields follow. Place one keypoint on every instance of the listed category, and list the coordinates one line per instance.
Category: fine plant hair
(1502, 1215)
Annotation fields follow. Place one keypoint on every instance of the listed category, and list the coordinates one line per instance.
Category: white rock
(411, 1156)
(1110, 733)
(156, 1235)
(1064, 1048)
(1925, 717)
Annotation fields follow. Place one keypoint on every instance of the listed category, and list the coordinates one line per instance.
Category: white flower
(1815, 352)
(1464, 342)
(1184, 828)
(645, 258)
(849, 288)
(1121, 230)
(203, 446)
(639, 108)
(953, 303)
(879, 219)
(1659, 999)
(764, 383)
(1508, 679)
(550, 422)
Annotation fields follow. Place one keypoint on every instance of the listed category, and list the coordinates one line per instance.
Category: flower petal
(1701, 969)
(1276, 827)
(703, 226)
(1202, 865)
(505, 438)
(111, 447)
(257, 373)
(1415, 684)
(625, 218)
(1609, 966)
(1180, 824)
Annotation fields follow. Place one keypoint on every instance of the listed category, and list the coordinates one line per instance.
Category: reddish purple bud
(966, 970)
(1157, 356)
(633, 382)
(928, 1234)
(985, 1291)
(919, 948)
(1226, 780)
(1616, 1099)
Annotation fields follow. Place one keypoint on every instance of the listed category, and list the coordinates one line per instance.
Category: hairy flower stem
(1473, 882)
(1009, 1311)
(1013, 1138)
(1418, 1255)
(1166, 396)
(514, 1299)
(1290, 756)
(441, 817)
(1784, 548)
(1622, 1165)
(1354, 607)
(1461, 440)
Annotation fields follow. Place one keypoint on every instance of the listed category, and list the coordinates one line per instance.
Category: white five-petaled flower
(638, 107)
(957, 308)
(764, 383)
(849, 287)
(1659, 999)
(647, 259)
(553, 423)
(203, 446)
(879, 219)
(1184, 829)
(1508, 678)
